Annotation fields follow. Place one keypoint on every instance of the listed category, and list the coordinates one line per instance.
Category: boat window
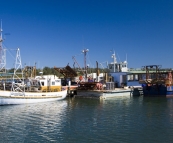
(42, 83)
(130, 77)
(143, 76)
(38, 83)
(140, 77)
(28, 84)
(136, 77)
(53, 83)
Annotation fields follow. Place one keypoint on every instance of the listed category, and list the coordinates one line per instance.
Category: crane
(73, 57)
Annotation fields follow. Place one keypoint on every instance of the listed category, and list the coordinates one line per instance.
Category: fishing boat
(98, 90)
(20, 87)
(157, 81)
(22, 93)
(103, 85)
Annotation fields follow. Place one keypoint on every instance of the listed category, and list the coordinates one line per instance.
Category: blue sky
(50, 32)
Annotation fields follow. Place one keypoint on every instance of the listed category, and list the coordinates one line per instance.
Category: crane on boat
(75, 61)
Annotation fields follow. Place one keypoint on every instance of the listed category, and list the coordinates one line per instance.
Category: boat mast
(1, 42)
(2, 53)
(85, 66)
(114, 58)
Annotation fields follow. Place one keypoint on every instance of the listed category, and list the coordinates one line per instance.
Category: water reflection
(133, 119)
(124, 119)
(32, 121)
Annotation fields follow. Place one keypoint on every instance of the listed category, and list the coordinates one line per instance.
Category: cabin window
(136, 77)
(130, 77)
(53, 83)
(57, 80)
(42, 83)
(28, 84)
(38, 83)
(140, 77)
(143, 76)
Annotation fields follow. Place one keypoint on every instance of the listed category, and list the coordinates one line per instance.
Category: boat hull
(103, 94)
(169, 91)
(9, 98)
(117, 93)
(157, 90)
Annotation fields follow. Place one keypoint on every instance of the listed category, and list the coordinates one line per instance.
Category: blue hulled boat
(157, 82)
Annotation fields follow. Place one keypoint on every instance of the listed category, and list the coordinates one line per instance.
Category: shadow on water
(155, 99)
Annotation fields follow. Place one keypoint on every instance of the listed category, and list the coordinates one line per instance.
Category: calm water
(134, 119)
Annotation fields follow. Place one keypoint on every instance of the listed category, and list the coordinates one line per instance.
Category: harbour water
(76, 120)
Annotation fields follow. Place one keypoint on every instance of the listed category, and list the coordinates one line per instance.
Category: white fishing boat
(20, 88)
(6, 98)
(41, 89)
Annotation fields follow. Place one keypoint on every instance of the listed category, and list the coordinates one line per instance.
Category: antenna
(1, 29)
(118, 57)
(126, 57)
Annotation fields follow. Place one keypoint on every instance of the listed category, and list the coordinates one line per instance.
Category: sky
(50, 32)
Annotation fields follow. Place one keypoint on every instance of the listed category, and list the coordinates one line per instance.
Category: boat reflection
(32, 121)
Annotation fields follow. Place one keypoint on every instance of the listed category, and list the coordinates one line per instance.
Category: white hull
(117, 93)
(7, 97)
(104, 93)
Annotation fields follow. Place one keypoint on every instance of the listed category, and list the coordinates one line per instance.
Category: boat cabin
(44, 83)
(49, 83)
(130, 78)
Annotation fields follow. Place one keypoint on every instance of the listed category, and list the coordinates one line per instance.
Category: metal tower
(2, 53)
(18, 80)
